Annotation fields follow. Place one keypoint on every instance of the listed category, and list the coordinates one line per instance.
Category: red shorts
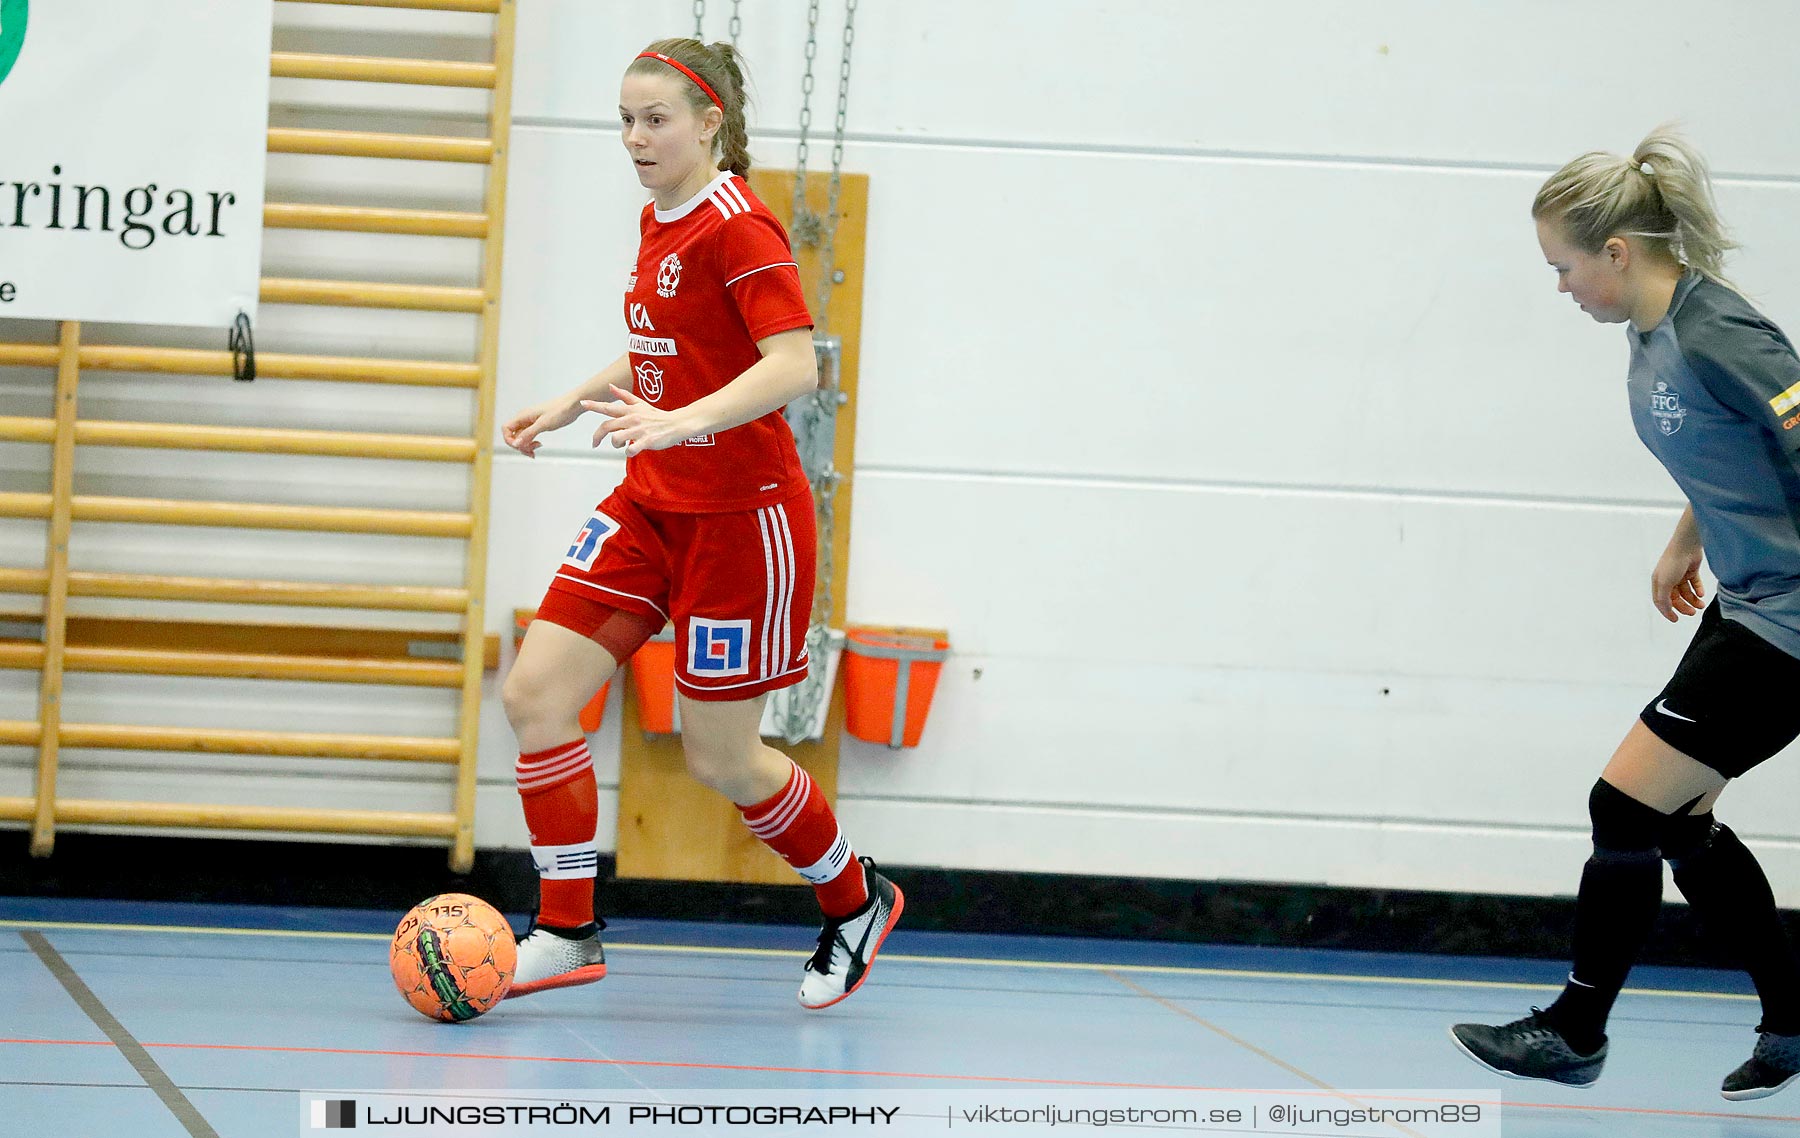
(738, 586)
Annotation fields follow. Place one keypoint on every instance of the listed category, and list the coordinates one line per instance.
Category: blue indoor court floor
(168, 1021)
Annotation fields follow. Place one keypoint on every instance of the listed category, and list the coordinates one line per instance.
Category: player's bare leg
(783, 807)
(556, 673)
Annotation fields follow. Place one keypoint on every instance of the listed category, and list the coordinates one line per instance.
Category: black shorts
(1734, 699)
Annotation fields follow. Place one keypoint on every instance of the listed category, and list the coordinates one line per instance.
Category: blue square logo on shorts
(718, 647)
(587, 543)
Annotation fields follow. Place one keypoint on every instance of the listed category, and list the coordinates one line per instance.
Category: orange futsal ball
(453, 957)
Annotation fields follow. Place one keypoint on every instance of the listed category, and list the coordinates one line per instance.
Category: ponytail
(1662, 194)
(734, 136)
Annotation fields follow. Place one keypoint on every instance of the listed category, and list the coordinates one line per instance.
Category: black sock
(1620, 896)
(1576, 1012)
(1727, 888)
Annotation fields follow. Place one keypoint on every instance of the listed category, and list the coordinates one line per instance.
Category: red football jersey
(713, 276)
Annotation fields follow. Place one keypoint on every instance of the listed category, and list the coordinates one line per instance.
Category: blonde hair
(721, 67)
(1662, 194)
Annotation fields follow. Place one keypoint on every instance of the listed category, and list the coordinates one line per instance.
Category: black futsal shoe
(1773, 1065)
(1529, 1048)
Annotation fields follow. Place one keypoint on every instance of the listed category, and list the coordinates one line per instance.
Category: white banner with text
(132, 146)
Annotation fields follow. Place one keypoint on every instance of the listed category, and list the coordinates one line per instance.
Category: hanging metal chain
(828, 274)
(700, 20)
(736, 25)
(799, 710)
(803, 705)
(805, 227)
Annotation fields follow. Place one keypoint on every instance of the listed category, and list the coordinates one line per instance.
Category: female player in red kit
(712, 529)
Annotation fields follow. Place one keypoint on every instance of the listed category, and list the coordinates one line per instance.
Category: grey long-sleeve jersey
(1715, 395)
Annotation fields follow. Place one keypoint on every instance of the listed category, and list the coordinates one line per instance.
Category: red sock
(562, 810)
(798, 824)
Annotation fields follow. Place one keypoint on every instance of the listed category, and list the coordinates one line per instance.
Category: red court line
(589, 1061)
(64, 1042)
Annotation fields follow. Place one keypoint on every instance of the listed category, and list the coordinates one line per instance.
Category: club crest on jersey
(668, 276)
(718, 647)
(649, 381)
(1665, 406)
(587, 543)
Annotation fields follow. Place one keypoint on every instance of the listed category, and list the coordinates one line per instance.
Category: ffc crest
(668, 276)
(1665, 406)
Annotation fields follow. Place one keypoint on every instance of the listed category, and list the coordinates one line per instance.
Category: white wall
(1214, 394)
(1311, 544)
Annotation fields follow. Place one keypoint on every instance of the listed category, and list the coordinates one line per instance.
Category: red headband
(698, 82)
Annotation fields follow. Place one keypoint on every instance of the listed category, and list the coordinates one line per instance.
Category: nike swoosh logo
(1662, 706)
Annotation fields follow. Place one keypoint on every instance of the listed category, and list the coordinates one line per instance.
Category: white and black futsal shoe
(1528, 1048)
(554, 959)
(847, 945)
(1773, 1065)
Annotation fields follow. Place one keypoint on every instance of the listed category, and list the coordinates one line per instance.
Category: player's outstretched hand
(1675, 585)
(636, 426)
(522, 430)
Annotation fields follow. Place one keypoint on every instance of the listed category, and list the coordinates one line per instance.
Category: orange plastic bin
(653, 679)
(890, 675)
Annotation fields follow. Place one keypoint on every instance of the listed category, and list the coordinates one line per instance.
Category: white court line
(958, 961)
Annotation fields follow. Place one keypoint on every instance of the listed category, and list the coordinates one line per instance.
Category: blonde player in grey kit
(1715, 394)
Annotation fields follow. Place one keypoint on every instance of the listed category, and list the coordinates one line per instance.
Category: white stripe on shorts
(785, 618)
(768, 621)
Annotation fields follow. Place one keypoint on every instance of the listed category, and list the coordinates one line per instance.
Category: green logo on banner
(12, 33)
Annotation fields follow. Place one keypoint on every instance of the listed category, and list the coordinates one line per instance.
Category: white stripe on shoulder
(693, 203)
(727, 204)
(718, 203)
(764, 269)
(731, 187)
